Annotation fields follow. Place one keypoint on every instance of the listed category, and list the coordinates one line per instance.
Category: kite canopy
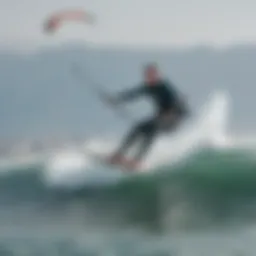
(56, 20)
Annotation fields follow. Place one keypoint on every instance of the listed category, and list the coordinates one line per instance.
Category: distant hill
(39, 95)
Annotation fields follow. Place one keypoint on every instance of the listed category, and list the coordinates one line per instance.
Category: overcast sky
(134, 22)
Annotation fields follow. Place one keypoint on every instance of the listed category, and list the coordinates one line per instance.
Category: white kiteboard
(103, 158)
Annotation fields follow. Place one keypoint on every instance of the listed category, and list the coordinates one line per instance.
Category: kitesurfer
(171, 110)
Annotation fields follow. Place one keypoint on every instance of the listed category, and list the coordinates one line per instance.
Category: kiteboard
(125, 164)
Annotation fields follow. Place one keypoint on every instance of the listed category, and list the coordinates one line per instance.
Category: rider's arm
(130, 94)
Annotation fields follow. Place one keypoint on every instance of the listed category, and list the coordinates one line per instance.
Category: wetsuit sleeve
(130, 94)
(180, 103)
(177, 102)
(173, 91)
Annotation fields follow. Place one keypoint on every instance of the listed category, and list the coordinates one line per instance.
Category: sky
(158, 23)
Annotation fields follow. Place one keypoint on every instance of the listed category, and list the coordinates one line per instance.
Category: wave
(212, 186)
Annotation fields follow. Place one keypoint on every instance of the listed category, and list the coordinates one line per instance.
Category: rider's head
(151, 74)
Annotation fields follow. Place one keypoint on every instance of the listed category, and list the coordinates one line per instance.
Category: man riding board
(170, 112)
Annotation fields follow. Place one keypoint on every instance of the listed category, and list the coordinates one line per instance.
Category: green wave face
(211, 188)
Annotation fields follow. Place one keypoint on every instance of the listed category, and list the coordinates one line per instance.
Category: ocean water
(203, 206)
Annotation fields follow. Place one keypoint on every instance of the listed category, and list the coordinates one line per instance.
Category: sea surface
(204, 206)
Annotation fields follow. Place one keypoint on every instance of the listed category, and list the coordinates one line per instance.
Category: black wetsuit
(167, 102)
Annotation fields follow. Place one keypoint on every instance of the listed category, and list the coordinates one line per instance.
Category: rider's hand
(113, 101)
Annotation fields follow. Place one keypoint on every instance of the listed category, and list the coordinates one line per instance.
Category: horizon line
(107, 46)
